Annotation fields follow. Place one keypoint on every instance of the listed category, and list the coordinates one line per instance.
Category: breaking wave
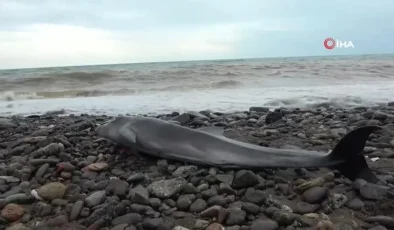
(16, 95)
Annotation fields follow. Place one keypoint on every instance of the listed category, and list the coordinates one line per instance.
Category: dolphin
(210, 147)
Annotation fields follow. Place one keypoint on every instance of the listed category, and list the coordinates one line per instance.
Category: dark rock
(76, 210)
(283, 218)
(379, 227)
(380, 116)
(155, 202)
(315, 194)
(184, 201)
(211, 212)
(57, 221)
(198, 206)
(272, 117)
(130, 219)
(95, 198)
(152, 223)
(226, 189)
(264, 224)
(228, 179)
(136, 177)
(236, 217)
(38, 162)
(250, 208)
(259, 109)
(190, 189)
(217, 200)
(383, 220)
(303, 208)
(209, 192)
(358, 183)
(19, 198)
(373, 191)
(145, 210)
(244, 179)
(139, 195)
(104, 213)
(6, 124)
(355, 204)
(117, 187)
(255, 196)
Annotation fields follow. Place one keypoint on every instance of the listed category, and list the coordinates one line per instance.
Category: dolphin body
(210, 147)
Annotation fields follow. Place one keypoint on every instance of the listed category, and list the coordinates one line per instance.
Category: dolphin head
(119, 130)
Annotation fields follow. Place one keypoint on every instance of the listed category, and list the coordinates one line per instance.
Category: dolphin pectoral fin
(128, 134)
(219, 131)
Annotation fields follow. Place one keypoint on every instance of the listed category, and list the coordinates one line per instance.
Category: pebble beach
(56, 173)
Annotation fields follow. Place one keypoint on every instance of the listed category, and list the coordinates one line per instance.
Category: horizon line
(196, 60)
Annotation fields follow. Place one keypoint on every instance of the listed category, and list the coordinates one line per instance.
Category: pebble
(264, 224)
(9, 179)
(20, 198)
(139, 195)
(52, 191)
(355, 204)
(379, 227)
(97, 167)
(117, 187)
(250, 208)
(12, 212)
(283, 218)
(184, 201)
(311, 184)
(76, 210)
(198, 206)
(303, 207)
(336, 201)
(201, 224)
(236, 217)
(383, 220)
(244, 179)
(136, 177)
(19, 226)
(95, 198)
(184, 171)
(325, 225)
(166, 188)
(215, 226)
(373, 191)
(315, 194)
(227, 179)
(255, 196)
(130, 219)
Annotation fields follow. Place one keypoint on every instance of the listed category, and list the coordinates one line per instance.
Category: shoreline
(85, 182)
(316, 106)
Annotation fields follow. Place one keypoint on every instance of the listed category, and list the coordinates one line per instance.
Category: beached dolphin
(211, 148)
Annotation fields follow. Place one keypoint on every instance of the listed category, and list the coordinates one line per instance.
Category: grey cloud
(150, 14)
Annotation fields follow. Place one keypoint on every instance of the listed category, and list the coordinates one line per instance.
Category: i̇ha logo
(331, 43)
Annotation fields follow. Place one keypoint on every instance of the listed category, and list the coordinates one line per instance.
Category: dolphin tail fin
(349, 149)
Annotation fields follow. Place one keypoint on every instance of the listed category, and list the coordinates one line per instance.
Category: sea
(217, 85)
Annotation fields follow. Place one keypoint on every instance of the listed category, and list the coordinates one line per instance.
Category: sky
(41, 33)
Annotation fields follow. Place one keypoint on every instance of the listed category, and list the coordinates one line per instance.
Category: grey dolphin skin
(164, 139)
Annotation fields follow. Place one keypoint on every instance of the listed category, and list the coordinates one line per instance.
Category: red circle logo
(329, 43)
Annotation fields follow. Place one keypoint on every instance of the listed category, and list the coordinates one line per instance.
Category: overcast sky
(36, 33)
